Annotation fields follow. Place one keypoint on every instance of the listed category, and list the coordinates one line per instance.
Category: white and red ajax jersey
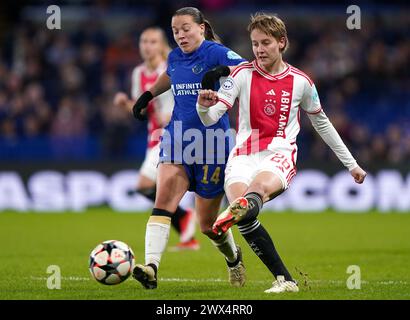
(269, 111)
(142, 80)
(269, 106)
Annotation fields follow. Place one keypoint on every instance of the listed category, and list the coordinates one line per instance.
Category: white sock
(226, 245)
(156, 238)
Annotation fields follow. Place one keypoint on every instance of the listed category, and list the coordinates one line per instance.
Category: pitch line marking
(81, 278)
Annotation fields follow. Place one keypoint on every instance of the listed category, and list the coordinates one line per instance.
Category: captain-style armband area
(213, 75)
(141, 104)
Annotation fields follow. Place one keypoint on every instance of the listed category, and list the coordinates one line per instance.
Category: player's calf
(237, 271)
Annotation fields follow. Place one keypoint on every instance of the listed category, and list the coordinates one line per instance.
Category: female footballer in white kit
(154, 50)
(271, 94)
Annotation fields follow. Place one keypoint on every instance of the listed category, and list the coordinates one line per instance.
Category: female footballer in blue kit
(181, 170)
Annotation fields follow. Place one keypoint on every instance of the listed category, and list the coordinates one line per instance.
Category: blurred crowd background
(57, 86)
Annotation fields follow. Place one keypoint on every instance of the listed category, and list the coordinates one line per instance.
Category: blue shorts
(205, 169)
(206, 180)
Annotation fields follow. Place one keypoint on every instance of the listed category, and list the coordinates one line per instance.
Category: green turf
(321, 245)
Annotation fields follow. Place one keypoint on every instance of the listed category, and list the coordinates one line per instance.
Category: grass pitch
(322, 245)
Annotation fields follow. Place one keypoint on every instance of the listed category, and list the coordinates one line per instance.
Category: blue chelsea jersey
(186, 71)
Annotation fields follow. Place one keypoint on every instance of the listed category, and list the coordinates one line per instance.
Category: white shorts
(149, 166)
(244, 168)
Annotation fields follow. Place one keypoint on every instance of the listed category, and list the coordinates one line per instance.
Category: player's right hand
(207, 98)
(139, 108)
(358, 174)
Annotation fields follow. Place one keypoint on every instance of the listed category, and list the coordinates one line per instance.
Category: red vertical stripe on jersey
(269, 111)
(153, 125)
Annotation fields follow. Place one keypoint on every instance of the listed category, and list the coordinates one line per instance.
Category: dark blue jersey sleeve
(169, 64)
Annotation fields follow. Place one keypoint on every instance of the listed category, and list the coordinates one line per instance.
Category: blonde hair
(271, 25)
(166, 49)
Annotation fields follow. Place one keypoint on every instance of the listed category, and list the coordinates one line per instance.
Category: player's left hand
(207, 98)
(358, 174)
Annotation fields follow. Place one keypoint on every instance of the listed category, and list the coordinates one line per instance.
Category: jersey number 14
(215, 177)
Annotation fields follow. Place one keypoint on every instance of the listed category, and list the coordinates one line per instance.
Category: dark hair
(198, 18)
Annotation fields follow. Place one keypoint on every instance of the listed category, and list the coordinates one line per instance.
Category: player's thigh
(207, 210)
(268, 184)
(274, 173)
(172, 184)
(239, 171)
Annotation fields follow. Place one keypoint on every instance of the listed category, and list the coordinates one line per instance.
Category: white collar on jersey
(270, 76)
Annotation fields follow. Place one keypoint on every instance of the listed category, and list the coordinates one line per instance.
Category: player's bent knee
(259, 187)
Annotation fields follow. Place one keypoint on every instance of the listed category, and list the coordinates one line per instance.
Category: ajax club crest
(269, 107)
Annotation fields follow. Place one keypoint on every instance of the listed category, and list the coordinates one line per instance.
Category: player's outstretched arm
(328, 133)
(208, 107)
(162, 84)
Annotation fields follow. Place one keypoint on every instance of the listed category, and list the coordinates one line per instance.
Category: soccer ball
(111, 262)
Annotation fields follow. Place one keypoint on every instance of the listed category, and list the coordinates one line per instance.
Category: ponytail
(209, 33)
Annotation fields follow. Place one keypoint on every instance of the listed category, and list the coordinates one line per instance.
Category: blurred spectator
(122, 54)
(70, 119)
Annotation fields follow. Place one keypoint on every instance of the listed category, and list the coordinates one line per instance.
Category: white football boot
(281, 285)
